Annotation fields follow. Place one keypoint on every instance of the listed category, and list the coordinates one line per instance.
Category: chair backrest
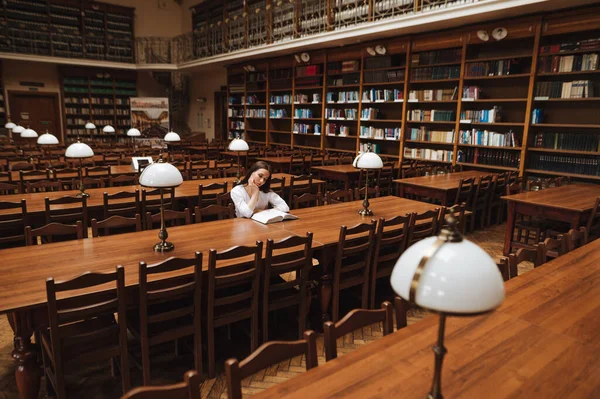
(151, 199)
(123, 203)
(297, 165)
(514, 188)
(224, 199)
(214, 212)
(577, 238)
(535, 254)
(424, 225)
(21, 166)
(556, 247)
(386, 178)
(195, 166)
(98, 171)
(188, 389)
(339, 196)
(372, 175)
(52, 230)
(372, 192)
(357, 318)
(172, 218)
(97, 304)
(12, 226)
(266, 355)
(465, 192)
(207, 193)
(66, 174)
(43, 186)
(67, 209)
(307, 200)
(504, 267)
(299, 185)
(400, 310)
(223, 163)
(593, 224)
(122, 180)
(410, 172)
(121, 223)
(278, 181)
(485, 186)
(232, 172)
(7, 188)
(203, 174)
(90, 182)
(32, 176)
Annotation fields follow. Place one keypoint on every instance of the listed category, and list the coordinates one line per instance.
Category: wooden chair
(6, 177)
(409, 172)
(233, 293)
(49, 231)
(593, 224)
(373, 178)
(400, 310)
(339, 196)
(224, 163)
(12, 225)
(170, 308)
(123, 203)
(8, 188)
(297, 166)
(67, 175)
(151, 200)
(479, 207)
(308, 200)
(556, 247)
(281, 181)
(171, 217)
(204, 174)
(89, 182)
(286, 268)
(83, 330)
(232, 172)
(373, 192)
(32, 176)
(390, 242)
(268, 354)
(182, 168)
(504, 267)
(207, 194)
(496, 201)
(524, 227)
(214, 212)
(466, 190)
(122, 180)
(123, 224)
(188, 389)
(424, 225)
(577, 238)
(98, 171)
(352, 263)
(358, 318)
(300, 185)
(75, 210)
(43, 186)
(345, 160)
(21, 166)
(111, 159)
(535, 254)
(224, 199)
(194, 166)
(386, 179)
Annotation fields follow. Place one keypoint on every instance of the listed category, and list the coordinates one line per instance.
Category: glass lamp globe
(133, 132)
(18, 129)
(29, 133)
(47, 139)
(367, 160)
(161, 175)
(79, 150)
(238, 144)
(108, 129)
(172, 137)
(90, 126)
(10, 125)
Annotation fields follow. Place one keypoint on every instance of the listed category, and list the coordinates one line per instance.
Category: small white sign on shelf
(465, 121)
(468, 99)
(541, 98)
(399, 101)
(379, 101)
(413, 100)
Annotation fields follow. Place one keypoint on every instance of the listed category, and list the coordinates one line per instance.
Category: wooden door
(39, 111)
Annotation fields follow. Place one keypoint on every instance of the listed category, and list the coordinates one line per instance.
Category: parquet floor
(96, 382)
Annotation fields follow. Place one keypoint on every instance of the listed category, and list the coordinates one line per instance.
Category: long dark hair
(265, 188)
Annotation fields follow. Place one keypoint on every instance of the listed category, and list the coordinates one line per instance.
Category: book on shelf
(429, 154)
(488, 138)
(581, 165)
(537, 116)
(436, 57)
(573, 89)
(435, 73)
(484, 115)
(432, 95)
(435, 136)
(568, 63)
(491, 157)
(567, 141)
(272, 216)
(587, 44)
(494, 68)
(431, 115)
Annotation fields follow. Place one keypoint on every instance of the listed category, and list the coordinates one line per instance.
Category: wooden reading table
(114, 170)
(541, 343)
(441, 187)
(571, 204)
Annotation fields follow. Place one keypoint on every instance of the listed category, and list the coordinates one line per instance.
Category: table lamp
(108, 129)
(18, 129)
(238, 144)
(451, 276)
(29, 134)
(161, 175)
(80, 150)
(133, 132)
(367, 160)
(10, 126)
(172, 137)
(89, 126)
(47, 139)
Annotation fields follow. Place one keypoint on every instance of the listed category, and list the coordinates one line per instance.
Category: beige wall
(204, 85)
(150, 20)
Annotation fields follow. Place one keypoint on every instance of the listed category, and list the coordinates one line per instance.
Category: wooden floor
(96, 382)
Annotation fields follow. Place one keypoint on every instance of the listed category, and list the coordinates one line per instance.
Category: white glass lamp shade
(133, 132)
(161, 175)
(79, 150)
(47, 139)
(460, 278)
(90, 126)
(108, 129)
(367, 160)
(172, 137)
(10, 125)
(18, 129)
(238, 144)
(29, 133)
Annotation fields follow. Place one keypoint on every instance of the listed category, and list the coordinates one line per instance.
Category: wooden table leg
(27, 373)
(510, 225)
(325, 288)
(401, 190)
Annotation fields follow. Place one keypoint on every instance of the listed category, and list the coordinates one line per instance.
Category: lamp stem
(82, 192)
(366, 211)
(237, 181)
(440, 351)
(163, 231)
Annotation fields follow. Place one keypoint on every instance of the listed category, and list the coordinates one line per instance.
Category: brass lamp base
(365, 212)
(164, 246)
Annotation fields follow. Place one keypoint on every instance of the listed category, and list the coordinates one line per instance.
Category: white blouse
(240, 198)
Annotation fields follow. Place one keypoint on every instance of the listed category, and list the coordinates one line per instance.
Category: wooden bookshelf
(100, 96)
(483, 94)
(3, 114)
(69, 28)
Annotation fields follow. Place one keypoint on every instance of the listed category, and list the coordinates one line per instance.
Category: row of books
(371, 132)
(303, 113)
(283, 99)
(566, 164)
(382, 95)
(369, 113)
(486, 156)
(574, 89)
(77, 100)
(309, 70)
(103, 111)
(383, 76)
(436, 57)
(70, 110)
(588, 44)
(307, 99)
(101, 100)
(428, 154)
(256, 113)
(304, 128)
(482, 115)
(237, 125)
(471, 93)
(122, 112)
(277, 113)
(437, 136)
(343, 67)
(231, 100)
(232, 135)
(567, 141)
(436, 73)
(336, 129)
(432, 95)
(253, 99)
(337, 113)
(537, 115)
(494, 68)
(378, 62)
(484, 137)
(429, 115)
(77, 121)
(568, 63)
(343, 97)
(280, 73)
(256, 77)
(349, 79)
(364, 147)
(235, 112)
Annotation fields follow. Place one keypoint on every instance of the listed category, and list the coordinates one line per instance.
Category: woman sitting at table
(254, 194)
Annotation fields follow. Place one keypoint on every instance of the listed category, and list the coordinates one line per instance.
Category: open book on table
(272, 216)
